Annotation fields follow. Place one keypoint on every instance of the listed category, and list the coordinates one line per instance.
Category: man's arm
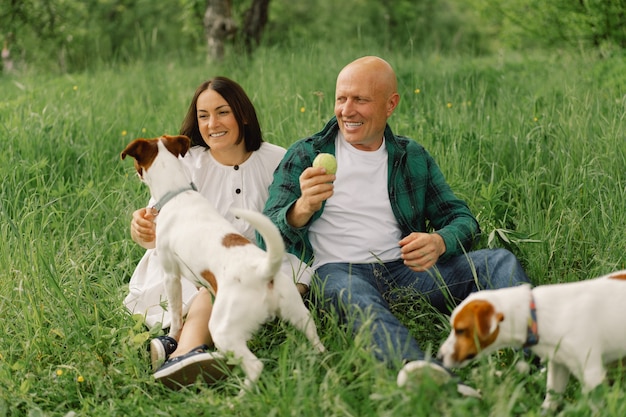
(449, 215)
(315, 187)
(284, 192)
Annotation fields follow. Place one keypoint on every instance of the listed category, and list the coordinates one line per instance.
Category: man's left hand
(421, 251)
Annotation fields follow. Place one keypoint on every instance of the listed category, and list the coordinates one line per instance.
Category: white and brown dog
(194, 241)
(576, 327)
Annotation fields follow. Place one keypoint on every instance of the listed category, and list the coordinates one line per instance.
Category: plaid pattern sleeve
(423, 201)
(284, 191)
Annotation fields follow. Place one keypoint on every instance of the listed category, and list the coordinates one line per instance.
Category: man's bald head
(375, 69)
(366, 96)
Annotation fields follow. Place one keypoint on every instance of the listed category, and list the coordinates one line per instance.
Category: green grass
(535, 144)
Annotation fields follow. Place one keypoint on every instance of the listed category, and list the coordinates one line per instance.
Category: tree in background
(254, 21)
(219, 26)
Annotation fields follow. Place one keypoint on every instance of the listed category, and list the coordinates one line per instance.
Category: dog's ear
(144, 151)
(487, 320)
(135, 148)
(178, 145)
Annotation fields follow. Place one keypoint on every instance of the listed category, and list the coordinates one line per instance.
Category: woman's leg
(191, 360)
(196, 327)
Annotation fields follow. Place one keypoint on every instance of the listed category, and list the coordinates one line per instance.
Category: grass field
(536, 144)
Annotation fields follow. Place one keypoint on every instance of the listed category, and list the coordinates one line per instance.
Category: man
(386, 221)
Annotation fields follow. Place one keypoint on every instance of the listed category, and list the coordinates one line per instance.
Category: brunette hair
(242, 107)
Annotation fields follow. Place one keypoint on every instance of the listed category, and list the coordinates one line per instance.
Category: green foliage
(73, 35)
(561, 23)
(534, 143)
(440, 25)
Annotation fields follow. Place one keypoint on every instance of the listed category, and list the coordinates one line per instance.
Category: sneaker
(160, 350)
(467, 391)
(185, 369)
(413, 373)
(416, 371)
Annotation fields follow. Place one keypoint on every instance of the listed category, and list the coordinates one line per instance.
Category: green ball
(326, 160)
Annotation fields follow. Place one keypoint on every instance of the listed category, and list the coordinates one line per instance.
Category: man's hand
(143, 228)
(316, 186)
(421, 251)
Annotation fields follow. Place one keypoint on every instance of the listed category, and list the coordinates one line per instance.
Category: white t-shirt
(241, 186)
(357, 224)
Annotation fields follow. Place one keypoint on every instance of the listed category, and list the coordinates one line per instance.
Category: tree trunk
(255, 19)
(218, 26)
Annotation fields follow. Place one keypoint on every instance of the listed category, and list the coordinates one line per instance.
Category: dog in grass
(577, 327)
(194, 241)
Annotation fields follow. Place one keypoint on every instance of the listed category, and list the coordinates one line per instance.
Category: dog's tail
(271, 235)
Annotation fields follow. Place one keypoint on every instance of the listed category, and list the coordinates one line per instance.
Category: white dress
(241, 186)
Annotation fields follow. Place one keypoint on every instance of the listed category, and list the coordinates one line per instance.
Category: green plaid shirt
(420, 197)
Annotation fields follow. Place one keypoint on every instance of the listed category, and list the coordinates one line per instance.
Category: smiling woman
(219, 129)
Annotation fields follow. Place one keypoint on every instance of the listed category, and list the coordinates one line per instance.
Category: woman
(232, 166)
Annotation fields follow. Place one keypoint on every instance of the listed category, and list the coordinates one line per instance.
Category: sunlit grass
(535, 145)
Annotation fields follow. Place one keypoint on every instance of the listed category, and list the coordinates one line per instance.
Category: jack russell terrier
(195, 241)
(576, 327)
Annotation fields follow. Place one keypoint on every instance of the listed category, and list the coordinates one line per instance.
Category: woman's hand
(143, 228)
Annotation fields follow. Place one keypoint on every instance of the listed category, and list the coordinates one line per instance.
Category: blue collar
(532, 337)
(168, 196)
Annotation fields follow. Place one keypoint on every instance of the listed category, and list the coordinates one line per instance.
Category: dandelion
(59, 372)
(80, 379)
(417, 91)
(75, 88)
(143, 130)
(302, 109)
(449, 105)
(535, 119)
(124, 133)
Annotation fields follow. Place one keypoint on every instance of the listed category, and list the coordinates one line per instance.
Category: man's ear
(392, 103)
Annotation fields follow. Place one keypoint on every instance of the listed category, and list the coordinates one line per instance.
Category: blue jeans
(361, 293)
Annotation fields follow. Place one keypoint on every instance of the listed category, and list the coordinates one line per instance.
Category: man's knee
(507, 270)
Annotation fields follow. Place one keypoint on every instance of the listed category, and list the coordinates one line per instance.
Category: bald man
(386, 223)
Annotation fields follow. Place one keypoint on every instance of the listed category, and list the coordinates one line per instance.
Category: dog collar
(168, 196)
(532, 337)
